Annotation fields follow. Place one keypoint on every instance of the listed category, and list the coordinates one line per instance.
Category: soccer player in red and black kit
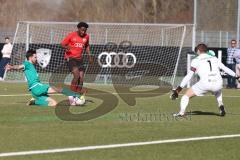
(75, 43)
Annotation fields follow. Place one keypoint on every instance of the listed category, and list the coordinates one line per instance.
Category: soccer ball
(80, 101)
(76, 101)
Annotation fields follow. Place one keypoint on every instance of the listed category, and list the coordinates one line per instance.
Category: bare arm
(65, 43)
(65, 46)
(89, 54)
(14, 67)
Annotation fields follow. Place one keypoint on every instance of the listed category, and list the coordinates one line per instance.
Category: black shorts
(73, 62)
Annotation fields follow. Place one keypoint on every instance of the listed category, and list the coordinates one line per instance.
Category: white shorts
(199, 89)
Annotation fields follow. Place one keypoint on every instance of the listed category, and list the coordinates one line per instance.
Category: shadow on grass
(202, 113)
(210, 113)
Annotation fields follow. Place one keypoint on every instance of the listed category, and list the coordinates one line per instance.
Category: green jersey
(31, 74)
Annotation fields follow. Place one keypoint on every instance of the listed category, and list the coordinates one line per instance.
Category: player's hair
(201, 47)
(7, 38)
(82, 24)
(30, 53)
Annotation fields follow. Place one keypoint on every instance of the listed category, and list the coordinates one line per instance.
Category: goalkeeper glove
(237, 78)
(175, 92)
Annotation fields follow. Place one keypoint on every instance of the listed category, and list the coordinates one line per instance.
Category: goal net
(126, 54)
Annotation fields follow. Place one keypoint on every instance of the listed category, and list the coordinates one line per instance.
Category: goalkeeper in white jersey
(207, 67)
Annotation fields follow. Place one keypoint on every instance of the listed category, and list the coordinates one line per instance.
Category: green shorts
(40, 93)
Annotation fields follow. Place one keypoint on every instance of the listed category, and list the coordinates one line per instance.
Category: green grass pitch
(27, 128)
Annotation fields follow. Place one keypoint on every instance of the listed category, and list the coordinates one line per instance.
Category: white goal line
(35, 152)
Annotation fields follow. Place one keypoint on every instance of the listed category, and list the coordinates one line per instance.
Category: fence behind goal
(126, 54)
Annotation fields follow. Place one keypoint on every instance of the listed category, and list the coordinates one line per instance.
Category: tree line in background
(212, 14)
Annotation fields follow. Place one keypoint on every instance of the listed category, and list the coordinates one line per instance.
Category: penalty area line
(35, 152)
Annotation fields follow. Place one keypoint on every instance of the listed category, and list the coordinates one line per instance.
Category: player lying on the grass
(39, 91)
(207, 67)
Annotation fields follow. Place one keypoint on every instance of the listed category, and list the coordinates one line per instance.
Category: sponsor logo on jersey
(78, 45)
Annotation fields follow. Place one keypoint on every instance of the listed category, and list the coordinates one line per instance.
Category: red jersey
(76, 45)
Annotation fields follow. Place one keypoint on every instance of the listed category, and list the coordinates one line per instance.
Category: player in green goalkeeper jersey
(40, 91)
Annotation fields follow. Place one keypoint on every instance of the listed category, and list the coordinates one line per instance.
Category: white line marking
(34, 152)
(21, 95)
(14, 95)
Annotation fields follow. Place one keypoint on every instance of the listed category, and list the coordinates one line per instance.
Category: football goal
(125, 54)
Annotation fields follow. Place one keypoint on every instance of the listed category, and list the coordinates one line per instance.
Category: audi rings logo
(113, 59)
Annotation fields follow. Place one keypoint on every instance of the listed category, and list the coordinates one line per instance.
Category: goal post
(136, 54)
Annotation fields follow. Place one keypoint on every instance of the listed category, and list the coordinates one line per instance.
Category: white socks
(183, 104)
(185, 100)
(218, 96)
